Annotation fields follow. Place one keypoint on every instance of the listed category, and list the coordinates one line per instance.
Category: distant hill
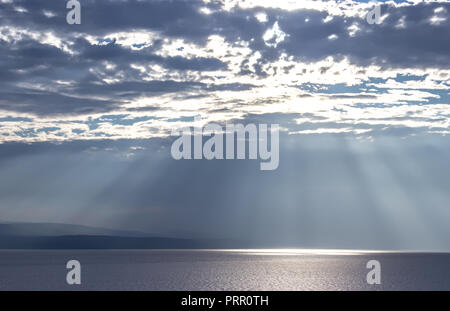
(53, 229)
(61, 236)
(97, 242)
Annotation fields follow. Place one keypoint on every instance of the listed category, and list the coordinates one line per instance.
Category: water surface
(255, 270)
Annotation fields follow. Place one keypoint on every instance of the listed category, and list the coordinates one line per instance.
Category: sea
(230, 270)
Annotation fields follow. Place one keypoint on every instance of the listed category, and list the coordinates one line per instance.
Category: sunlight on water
(238, 269)
(300, 251)
(296, 252)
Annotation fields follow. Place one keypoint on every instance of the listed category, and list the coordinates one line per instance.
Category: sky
(87, 112)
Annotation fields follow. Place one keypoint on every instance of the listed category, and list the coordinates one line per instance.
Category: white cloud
(273, 36)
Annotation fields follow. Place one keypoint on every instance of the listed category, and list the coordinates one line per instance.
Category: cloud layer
(137, 69)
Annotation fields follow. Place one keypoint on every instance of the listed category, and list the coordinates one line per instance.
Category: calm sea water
(222, 270)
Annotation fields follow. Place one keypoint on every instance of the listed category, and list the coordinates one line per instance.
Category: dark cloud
(48, 103)
(121, 56)
(175, 18)
(419, 45)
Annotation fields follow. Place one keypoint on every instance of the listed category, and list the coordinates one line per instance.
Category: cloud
(164, 60)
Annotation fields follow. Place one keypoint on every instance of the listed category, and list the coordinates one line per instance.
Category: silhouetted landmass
(61, 236)
(89, 242)
(112, 242)
(54, 229)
